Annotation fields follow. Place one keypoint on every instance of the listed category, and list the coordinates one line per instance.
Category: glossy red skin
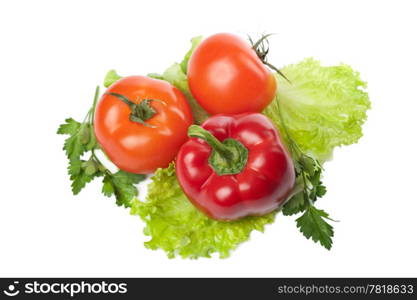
(226, 76)
(134, 147)
(265, 182)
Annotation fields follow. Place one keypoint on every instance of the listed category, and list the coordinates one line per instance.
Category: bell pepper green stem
(199, 132)
(227, 157)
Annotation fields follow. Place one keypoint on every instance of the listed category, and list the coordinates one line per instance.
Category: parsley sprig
(308, 170)
(82, 143)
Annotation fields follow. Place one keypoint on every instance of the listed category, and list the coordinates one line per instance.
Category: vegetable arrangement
(230, 141)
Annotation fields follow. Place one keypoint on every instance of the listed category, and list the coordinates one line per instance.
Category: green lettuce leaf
(323, 107)
(178, 228)
(195, 41)
(110, 78)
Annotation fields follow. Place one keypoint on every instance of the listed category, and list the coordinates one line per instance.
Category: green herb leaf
(108, 189)
(320, 190)
(313, 225)
(74, 167)
(80, 180)
(295, 205)
(122, 185)
(70, 127)
(132, 177)
(73, 146)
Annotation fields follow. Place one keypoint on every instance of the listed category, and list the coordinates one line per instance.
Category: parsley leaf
(295, 205)
(73, 146)
(70, 127)
(313, 225)
(79, 181)
(74, 167)
(82, 140)
(121, 184)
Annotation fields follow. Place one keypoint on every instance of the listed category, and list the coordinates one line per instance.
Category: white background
(54, 53)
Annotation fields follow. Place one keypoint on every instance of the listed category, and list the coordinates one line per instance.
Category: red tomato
(135, 147)
(226, 76)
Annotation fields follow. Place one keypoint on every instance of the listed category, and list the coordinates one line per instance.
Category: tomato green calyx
(139, 112)
(228, 157)
(261, 48)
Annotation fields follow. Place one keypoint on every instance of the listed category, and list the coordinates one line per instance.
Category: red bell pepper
(235, 166)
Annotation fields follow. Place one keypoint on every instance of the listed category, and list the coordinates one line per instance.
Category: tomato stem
(140, 112)
(124, 99)
(227, 157)
(261, 48)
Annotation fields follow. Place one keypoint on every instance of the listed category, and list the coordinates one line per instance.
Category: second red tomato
(226, 76)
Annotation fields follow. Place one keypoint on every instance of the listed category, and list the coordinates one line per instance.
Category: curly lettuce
(178, 228)
(323, 107)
